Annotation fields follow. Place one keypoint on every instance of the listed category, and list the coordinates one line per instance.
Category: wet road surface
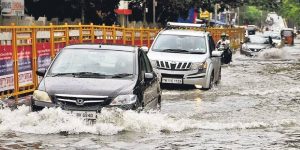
(256, 106)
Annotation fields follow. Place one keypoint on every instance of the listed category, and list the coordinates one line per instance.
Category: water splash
(274, 53)
(111, 122)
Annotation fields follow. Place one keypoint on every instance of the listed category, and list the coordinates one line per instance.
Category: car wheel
(211, 81)
(138, 106)
(159, 103)
(34, 108)
(220, 76)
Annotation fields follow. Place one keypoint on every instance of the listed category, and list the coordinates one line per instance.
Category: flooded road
(256, 106)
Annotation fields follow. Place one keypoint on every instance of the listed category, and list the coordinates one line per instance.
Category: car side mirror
(41, 72)
(149, 77)
(145, 49)
(217, 53)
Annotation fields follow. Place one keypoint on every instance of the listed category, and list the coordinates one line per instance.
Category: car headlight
(124, 100)
(197, 66)
(41, 96)
(153, 63)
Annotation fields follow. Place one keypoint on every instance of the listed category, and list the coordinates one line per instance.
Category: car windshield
(287, 33)
(93, 63)
(258, 40)
(180, 44)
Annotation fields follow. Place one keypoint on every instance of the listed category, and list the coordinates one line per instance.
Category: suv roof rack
(174, 25)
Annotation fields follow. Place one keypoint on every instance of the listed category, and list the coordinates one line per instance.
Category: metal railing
(25, 49)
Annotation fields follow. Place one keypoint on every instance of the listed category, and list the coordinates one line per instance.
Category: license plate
(172, 80)
(85, 114)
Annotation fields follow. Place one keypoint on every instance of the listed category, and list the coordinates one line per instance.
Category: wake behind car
(86, 78)
(185, 56)
(255, 44)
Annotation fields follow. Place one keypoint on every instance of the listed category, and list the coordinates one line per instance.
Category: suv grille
(82, 100)
(171, 65)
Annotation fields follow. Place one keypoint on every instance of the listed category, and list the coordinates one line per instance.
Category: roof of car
(103, 47)
(184, 32)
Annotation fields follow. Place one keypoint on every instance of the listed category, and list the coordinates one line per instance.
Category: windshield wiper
(61, 74)
(89, 74)
(121, 75)
(196, 52)
(175, 50)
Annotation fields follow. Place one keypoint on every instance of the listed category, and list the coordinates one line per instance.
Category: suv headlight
(124, 100)
(153, 63)
(197, 66)
(41, 96)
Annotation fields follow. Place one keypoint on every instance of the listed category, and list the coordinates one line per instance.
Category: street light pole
(82, 11)
(216, 13)
(145, 11)
(154, 5)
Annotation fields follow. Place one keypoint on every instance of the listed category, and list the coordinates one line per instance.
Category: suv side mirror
(145, 49)
(149, 77)
(41, 72)
(217, 53)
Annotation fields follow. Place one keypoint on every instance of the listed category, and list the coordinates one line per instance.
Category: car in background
(288, 35)
(83, 79)
(254, 45)
(276, 37)
(251, 30)
(185, 56)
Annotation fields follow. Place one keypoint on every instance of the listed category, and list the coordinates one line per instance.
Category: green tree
(252, 15)
(290, 10)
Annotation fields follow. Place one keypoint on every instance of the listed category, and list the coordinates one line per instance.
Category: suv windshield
(93, 63)
(180, 44)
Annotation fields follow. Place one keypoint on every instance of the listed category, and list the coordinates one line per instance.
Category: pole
(216, 13)
(260, 19)
(238, 17)
(145, 7)
(82, 11)
(154, 5)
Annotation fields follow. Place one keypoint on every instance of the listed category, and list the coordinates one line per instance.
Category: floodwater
(256, 106)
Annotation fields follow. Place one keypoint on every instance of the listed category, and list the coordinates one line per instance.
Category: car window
(148, 66)
(95, 61)
(287, 33)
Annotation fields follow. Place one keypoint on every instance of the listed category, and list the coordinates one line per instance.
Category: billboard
(12, 7)
(6, 68)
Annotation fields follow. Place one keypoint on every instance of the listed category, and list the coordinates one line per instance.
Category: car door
(151, 87)
(216, 61)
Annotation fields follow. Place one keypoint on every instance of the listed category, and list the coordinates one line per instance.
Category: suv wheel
(211, 81)
(220, 76)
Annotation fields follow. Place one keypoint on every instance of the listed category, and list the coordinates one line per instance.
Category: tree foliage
(102, 11)
(170, 10)
(96, 11)
(291, 10)
(252, 15)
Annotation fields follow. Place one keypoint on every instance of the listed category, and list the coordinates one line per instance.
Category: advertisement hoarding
(12, 7)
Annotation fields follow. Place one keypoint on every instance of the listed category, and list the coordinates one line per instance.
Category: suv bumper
(192, 77)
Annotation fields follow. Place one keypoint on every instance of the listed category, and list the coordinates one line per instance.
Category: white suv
(185, 57)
